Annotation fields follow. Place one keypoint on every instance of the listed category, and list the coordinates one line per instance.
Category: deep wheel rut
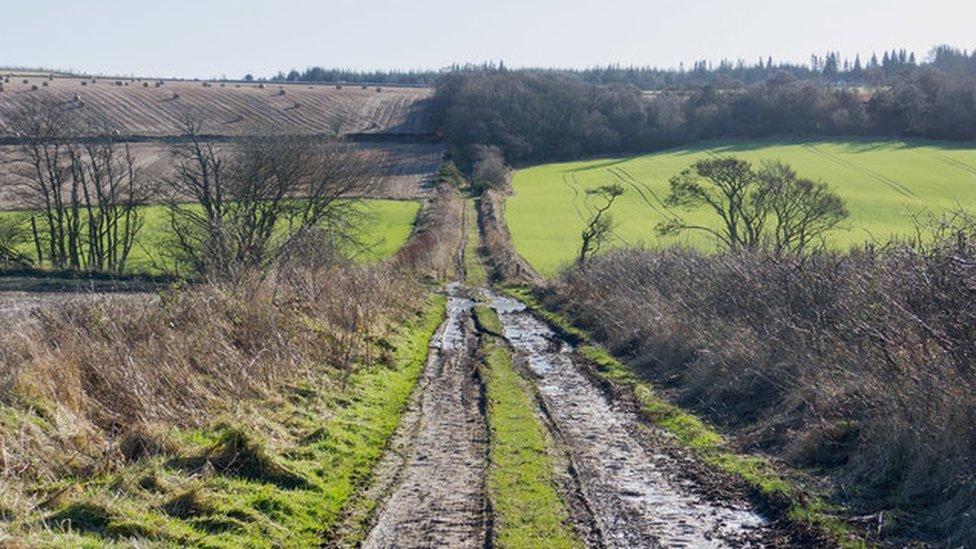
(636, 494)
(439, 496)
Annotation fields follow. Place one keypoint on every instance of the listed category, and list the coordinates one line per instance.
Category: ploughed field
(391, 123)
(150, 107)
(886, 185)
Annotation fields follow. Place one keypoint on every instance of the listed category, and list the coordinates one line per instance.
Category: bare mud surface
(434, 472)
(636, 493)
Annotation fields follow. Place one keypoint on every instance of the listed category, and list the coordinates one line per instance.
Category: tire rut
(439, 498)
(636, 492)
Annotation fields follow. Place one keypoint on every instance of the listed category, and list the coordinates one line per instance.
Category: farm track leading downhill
(629, 487)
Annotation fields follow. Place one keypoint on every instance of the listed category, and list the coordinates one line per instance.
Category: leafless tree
(727, 187)
(599, 227)
(82, 186)
(252, 200)
(805, 210)
(41, 161)
(112, 193)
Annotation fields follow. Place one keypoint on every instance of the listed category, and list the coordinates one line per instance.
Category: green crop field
(386, 226)
(885, 184)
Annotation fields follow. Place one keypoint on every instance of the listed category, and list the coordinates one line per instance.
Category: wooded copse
(549, 115)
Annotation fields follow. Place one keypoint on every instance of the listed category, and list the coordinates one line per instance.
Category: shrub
(858, 364)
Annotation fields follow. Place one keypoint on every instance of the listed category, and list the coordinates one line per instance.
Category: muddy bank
(637, 492)
(434, 473)
(505, 263)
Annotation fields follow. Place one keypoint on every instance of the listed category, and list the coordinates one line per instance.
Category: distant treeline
(879, 69)
(546, 115)
(348, 76)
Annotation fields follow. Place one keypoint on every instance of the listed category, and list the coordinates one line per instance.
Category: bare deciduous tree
(805, 210)
(727, 187)
(82, 186)
(254, 199)
(599, 227)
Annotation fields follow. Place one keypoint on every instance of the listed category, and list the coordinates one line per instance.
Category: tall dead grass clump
(860, 365)
(434, 247)
(89, 384)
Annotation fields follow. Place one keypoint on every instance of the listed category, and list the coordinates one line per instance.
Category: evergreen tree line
(830, 68)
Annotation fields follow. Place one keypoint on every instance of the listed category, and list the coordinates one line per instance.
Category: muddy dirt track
(629, 490)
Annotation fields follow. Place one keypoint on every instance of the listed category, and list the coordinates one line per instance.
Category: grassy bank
(882, 182)
(528, 510)
(775, 487)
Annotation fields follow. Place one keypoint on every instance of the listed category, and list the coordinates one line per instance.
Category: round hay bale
(34, 87)
(297, 104)
(378, 89)
(26, 81)
(44, 84)
(338, 86)
(261, 86)
(84, 83)
(176, 95)
(145, 84)
(365, 86)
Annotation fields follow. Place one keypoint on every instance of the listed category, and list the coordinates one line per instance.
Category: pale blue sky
(210, 38)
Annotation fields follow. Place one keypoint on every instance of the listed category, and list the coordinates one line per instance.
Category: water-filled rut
(636, 493)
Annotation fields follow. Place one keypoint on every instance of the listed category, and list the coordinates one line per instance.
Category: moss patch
(528, 510)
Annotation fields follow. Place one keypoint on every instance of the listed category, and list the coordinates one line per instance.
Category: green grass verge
(285, 492)
(693, 433)
(883, 183)
(528, 510)
(474, 270)
(387, 226)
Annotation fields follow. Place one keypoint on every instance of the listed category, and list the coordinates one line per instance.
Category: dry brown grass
(95, 385)
(98, 376)
(860, 366)
(434, 248)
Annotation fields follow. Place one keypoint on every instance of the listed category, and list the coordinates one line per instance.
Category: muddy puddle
(636, 494)
(434, 474)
